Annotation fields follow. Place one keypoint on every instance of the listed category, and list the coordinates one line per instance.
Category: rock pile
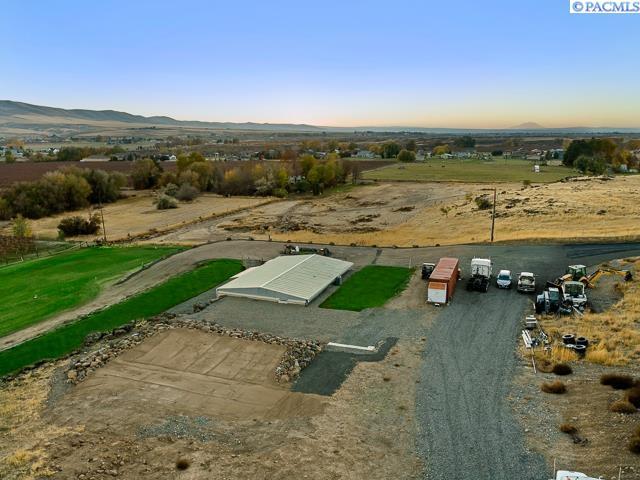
(299, 353)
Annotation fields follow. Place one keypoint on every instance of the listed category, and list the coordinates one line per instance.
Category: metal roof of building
(301, 277)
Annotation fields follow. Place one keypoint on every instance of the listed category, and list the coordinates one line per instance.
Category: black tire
(569, 339)
(580, 349)
(582, 341)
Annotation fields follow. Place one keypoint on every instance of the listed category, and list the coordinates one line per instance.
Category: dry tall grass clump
(622, 406)
(547, 360)
(556, 387)
(562, 369)
(633, 396)
(568, 429)
(617, 381)
(634, 445)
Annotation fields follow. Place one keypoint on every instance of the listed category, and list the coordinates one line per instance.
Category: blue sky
(420, 63)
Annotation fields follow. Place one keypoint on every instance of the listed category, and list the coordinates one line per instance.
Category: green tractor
(577, 273)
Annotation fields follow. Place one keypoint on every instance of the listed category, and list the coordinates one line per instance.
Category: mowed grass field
(64, 340)
(473, 170)
(38, 289)
(370, 287)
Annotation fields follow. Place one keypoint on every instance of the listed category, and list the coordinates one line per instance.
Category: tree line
(70, 188)
(193, 171)
(596, 155)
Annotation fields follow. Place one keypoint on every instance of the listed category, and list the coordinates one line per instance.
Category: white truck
(526, 282)
(481, 270)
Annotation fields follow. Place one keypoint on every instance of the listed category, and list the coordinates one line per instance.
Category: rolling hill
(20, 116)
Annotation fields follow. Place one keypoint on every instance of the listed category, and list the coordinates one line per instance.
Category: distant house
(537, 157)
(96, 158)
(365, 154)
(556, 153)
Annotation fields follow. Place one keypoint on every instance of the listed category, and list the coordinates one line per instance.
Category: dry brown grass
(562, 369)
(551, 208)
(547, 360)
(568, 428)
(137, 215)
(623, 406)
(20, 439)
(614, 335)
(556, 387)
(617, 381)
(633, 396)
(634, 445)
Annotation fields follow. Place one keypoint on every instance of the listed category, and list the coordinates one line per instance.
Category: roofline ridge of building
(288, 269)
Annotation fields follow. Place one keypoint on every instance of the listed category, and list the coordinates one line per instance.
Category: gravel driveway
(468, 427)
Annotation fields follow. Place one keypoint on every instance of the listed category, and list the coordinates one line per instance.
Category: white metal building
(296, 279)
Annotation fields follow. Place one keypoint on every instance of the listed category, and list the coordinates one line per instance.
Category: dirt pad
(365, 430)
(188, 372)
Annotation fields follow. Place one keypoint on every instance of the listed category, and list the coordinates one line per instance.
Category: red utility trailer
(442, 282)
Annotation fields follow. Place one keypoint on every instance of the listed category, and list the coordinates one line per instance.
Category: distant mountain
(527, 126)
(19, 115)
(24, 119)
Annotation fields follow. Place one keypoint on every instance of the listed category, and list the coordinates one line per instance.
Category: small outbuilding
(296, 279)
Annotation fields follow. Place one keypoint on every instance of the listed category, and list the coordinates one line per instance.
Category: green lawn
(37, 289)
(65, 339)
(472, 170)
(369, 287)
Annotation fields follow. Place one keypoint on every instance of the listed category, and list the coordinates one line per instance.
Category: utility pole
(104, 230)
(493, 215)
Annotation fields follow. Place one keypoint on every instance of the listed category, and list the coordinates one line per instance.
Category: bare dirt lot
(120, 424)
(408, 214)
(345, 217)
(602, 435)
(137, 215)
(447, 214)
(199, 373)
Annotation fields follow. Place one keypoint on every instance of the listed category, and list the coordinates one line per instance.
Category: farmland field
(437, 170)
(37, 289)
(29, 171)
(152, 302)
(369, 287)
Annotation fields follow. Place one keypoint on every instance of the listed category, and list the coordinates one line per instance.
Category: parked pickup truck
(527, 282)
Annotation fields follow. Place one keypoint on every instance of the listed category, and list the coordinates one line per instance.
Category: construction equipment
(574, 291)
(590, 280)
(427, 269)
(552, 300)
(526, 282)
(548, 301)
(578, 273)
(297, 250)
(481, 269)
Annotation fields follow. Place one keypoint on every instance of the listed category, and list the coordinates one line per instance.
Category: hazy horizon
(490, 65)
